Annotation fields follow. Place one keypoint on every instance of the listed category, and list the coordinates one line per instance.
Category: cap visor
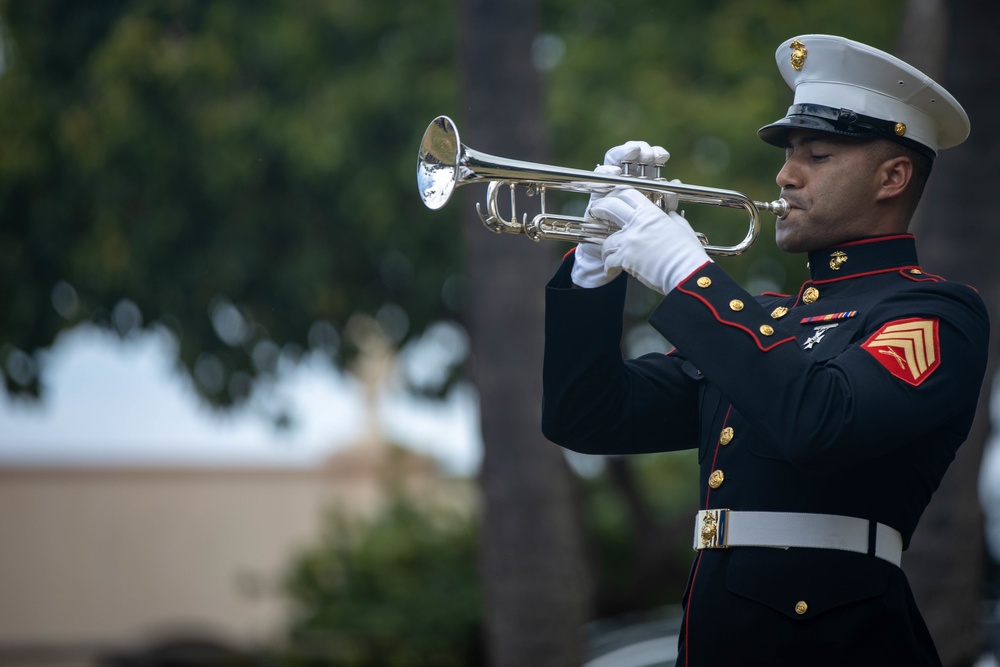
(776, 133)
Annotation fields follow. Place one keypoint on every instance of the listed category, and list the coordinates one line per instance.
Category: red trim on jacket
(750, 332)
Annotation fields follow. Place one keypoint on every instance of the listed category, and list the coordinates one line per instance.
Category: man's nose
(789, 176)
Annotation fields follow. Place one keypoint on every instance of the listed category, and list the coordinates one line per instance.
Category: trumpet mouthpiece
(779, 207)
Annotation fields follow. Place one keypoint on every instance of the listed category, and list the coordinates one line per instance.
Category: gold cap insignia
(837, 259)
(798, 54)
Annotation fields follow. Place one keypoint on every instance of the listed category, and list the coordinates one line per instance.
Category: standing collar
(869, 255)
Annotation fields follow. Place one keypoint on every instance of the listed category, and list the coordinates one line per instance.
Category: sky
(114, 402)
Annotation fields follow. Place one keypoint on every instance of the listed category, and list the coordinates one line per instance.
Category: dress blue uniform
(844, 402)
(797, 403)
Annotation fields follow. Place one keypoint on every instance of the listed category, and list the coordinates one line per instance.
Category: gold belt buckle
(712, 529)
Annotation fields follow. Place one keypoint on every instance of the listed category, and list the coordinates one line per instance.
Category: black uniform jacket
(850, 398)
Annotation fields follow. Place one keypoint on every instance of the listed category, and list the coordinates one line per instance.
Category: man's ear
(893, 176)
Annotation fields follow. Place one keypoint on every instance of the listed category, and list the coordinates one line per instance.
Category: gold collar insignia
(837, 259)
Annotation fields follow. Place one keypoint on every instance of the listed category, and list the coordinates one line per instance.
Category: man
(824, 420)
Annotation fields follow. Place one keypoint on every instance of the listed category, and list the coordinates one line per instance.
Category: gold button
(736, 305)
(727, 435)
(801, 607)
(704, 281)
(810, 295)
(899, 129)
(766, 329)
(780, 311)
(716, 479)
(916, 272)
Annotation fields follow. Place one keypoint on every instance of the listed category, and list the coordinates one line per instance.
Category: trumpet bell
(437, 162)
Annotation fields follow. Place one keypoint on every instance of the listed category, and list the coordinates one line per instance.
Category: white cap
(849, 88)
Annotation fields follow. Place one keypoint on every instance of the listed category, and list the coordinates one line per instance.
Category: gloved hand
(640, 152)
(589, 269)
(659, 248)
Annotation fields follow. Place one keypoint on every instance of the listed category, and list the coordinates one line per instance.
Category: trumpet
(444, 163)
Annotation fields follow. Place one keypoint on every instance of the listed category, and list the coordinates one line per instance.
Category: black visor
(836, 121)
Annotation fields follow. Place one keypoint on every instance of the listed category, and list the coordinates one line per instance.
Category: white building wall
(112, 559)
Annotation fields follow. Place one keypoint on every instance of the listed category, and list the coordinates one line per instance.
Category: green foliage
(667, 486)
(398, 591)
(242, 171)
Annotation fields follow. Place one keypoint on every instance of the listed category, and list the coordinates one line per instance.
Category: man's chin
(786, 239)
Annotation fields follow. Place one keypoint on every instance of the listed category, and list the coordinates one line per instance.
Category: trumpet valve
(657, 169)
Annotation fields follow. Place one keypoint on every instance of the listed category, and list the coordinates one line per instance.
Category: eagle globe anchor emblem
(712, 530)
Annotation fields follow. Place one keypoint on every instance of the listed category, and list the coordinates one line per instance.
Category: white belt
(721, 528)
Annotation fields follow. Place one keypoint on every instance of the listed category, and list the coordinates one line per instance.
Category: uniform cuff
(710, 297)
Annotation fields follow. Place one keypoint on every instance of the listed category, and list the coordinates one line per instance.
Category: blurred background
(262, 406)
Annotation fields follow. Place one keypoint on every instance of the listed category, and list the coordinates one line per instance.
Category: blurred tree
(638, 514)
(401, 590)
(231, 170)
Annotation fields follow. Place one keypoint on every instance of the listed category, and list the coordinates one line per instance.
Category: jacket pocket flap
(803, 583)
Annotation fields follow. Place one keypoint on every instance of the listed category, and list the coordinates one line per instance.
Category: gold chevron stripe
(914, 339)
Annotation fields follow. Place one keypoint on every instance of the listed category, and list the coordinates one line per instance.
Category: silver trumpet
(444, 163)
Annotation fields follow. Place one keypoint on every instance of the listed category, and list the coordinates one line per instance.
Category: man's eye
(818, 157)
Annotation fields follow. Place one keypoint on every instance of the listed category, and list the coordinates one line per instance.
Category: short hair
(880, 150)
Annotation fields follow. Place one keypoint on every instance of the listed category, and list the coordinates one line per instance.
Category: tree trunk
(532, 559)
(954, 227)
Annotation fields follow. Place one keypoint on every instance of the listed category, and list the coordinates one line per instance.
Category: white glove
(638, 152)
(589, 269)
(659, 248)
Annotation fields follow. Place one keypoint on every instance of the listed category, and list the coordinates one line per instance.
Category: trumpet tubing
(444, 163)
